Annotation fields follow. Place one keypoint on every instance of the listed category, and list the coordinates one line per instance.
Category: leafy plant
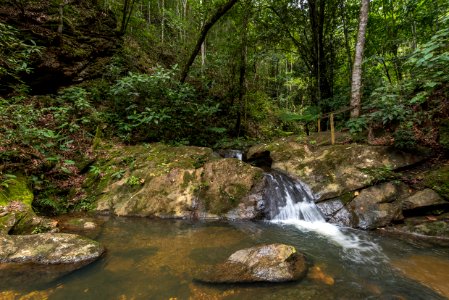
(15, 56)
(134, 181)
(95, 170)
(118, 175)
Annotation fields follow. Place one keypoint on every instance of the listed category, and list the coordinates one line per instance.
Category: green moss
(380, 174)
(347, 197)
(438, 180)
(17, 190)
(438, 228)
(187, 179)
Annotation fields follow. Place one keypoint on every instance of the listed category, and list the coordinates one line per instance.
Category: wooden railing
(330, 115)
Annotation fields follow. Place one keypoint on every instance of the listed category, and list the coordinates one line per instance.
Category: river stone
(343, 218)
(330, 208)
(378, 205)
(335, 212)
(266, 263)
(422, 198)
(333, 170)
(49, 248)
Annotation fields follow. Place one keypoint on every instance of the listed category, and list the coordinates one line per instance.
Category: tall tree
(356, 85)
(221, 11)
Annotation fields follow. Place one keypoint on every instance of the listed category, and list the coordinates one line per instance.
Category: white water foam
(305, 216)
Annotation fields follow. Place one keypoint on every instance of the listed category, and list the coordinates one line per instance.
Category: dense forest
(222, 74)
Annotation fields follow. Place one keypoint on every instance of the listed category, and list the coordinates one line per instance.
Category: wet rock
(267, 263)
(377, 206)
(330, 208)
(334, 170)
(423, 198)
(49, 248)
(336, 212)
(178, 182)
(343, 217)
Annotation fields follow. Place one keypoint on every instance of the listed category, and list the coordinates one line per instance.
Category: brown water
(157, 259)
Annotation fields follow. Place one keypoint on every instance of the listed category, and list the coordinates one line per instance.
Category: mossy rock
(175, 182)
(334, 170)
(16, 189)
(225, 183)
(438, 180)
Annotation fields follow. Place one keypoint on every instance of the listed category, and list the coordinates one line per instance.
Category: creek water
(158, 259)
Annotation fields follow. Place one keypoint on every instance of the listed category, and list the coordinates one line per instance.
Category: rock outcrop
(177, 182)
(266, 263)
(332, 171)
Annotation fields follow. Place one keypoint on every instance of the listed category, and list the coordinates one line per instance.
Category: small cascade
(231, 153)
(292, 202)
(290, 199)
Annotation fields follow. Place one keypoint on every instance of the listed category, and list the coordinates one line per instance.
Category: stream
(157, 259)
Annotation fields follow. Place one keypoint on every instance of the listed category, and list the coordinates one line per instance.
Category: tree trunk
(206, 27)
(356, 86)
(242, 68)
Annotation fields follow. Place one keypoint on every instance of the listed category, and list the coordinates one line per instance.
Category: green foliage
(156, 107)
(381, 174)
(356, 125)
(405, 105)
(134, 181)
(404, 138)
(15, 56)
(86, 204)
(95, 170)
(118, 175)
(6, 180)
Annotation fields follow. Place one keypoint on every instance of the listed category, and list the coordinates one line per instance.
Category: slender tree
(356, 86)
(221, 11)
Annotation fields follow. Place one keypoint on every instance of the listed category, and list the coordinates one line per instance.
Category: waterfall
(290, 199)
(292, 202)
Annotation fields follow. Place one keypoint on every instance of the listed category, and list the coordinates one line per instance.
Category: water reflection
(156, 259)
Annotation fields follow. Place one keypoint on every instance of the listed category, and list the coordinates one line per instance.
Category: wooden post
(319, 125)
(332, 128)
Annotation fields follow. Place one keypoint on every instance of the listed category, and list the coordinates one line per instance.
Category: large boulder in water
(333, 170)
(266, 263)
(176, 182)
(49, 248)
(378, 205)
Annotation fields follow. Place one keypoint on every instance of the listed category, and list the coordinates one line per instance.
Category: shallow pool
(157, 259)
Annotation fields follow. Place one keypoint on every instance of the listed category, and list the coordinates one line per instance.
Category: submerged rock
(331, 171)
(428, 270)
(425, 230)
(267, 263)
(49, 248)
